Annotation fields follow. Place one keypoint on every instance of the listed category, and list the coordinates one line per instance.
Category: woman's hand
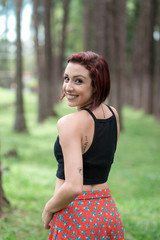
(46, 218)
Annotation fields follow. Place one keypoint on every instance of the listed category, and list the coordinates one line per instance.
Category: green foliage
(56, 23)
(29, 173)
(136, 169)
(132, 9)
(6, 62)
(74, 35)
(74, 41)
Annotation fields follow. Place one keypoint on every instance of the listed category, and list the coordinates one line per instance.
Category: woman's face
(77, 86)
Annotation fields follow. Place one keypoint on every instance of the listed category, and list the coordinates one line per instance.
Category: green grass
(29, 177)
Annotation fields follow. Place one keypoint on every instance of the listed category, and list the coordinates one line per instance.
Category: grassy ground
(29, 172)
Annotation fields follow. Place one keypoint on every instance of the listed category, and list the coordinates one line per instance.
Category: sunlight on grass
(30, 167)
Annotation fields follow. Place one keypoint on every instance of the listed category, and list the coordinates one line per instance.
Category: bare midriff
(95, 187)
(60, 182)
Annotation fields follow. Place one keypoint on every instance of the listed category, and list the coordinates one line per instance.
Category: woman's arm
(117, 119)
(70, 140)
(59, 183)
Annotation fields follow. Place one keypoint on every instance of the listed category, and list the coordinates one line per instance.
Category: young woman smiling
(82, 206)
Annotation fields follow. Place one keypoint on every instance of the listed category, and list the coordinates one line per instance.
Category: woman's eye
(66, 79)
(78, 81)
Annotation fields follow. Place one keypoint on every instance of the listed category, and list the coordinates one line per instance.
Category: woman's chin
(70, 104)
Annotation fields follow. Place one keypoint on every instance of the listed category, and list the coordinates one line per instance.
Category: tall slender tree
(156, 85)
(50, 56)
(48, 59)
(65, 7)
(136, 65)
(20, 123)
(39, 64)
(148, 13)
(59, 59)
(89, 24)
(116, 50)
(100, 24)
(3, 200)
(143, 51)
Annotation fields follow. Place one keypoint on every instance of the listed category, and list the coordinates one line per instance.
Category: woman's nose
(69, 86)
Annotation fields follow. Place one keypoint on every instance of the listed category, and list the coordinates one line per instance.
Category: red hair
(99, 74)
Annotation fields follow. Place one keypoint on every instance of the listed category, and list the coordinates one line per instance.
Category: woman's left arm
(70, 140)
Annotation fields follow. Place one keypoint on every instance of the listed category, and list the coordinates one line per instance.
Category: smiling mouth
(71, 97)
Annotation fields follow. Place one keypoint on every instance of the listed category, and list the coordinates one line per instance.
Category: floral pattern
(92, 215)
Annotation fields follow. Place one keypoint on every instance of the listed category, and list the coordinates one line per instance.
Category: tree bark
(147, 8)
(142, 83)
(156, 87)
(100, 22)
(66, 4)
(136, 66)
(59, 60)
(39, 65)
(89, 31)
(120, 57)
(20, 124)
(87, 24)
(48, 59)
(3, 200)
(115, 49)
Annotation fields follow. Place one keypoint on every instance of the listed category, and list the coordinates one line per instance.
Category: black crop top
(99, 157)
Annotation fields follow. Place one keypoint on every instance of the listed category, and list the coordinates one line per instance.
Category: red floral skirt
(92, 215)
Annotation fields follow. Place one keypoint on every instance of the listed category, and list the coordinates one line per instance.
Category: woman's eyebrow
(75, 75)
(65, 74)
(79, 76)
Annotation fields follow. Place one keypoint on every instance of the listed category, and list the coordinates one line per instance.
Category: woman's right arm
(70, 140)
(59, 183)
(117, 119)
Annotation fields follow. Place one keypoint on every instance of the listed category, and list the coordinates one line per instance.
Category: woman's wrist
(48, 207)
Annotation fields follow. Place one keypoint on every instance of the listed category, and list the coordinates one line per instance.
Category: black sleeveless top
(99, 157)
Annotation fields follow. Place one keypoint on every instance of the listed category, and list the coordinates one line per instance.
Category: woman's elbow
(75, 189)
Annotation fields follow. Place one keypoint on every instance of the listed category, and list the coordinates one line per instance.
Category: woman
(82, 206)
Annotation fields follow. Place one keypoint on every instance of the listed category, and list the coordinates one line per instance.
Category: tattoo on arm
(80, 170)
(85, 144)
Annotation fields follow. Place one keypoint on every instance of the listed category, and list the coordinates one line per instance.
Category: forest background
(127, 34)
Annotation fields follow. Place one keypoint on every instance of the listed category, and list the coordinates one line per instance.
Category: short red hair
(99, 74)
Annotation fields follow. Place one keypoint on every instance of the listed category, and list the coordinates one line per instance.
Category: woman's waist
(89, 187)
(93, 187)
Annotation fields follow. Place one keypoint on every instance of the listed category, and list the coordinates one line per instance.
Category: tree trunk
(100, 23)
(147, 9)
(136, 78)
(3, 200)
(114, 51)
(156, 88)
(89, 24)
(39, 65)
(142, 83)
(63, 37)
(48, 59)
(110, 51)
(20, 124)
(120, 57)
(59, 60)
(156, 99)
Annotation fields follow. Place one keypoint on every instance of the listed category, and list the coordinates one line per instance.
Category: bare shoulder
(117, 118)
(71, 122)
(115, 112)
